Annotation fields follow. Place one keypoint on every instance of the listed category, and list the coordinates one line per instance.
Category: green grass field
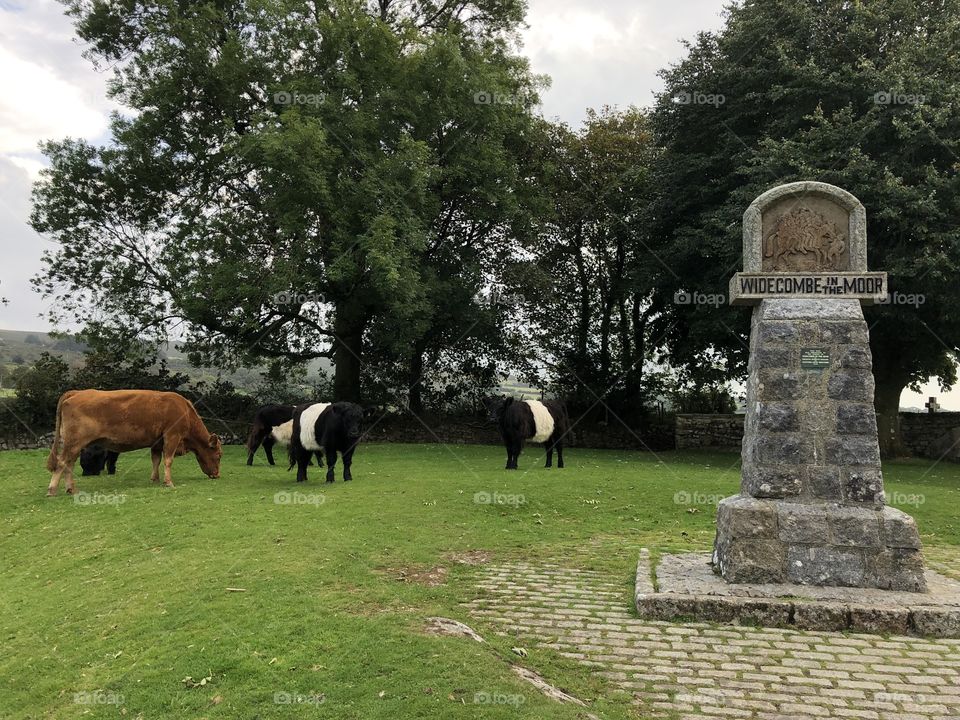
(124, 598)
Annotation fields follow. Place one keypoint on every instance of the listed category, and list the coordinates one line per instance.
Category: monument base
(687, 588)
(811, 508)
(777, 541)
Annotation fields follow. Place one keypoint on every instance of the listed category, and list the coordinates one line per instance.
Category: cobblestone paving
(699, 670)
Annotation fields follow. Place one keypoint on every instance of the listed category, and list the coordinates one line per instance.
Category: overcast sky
(596, 54)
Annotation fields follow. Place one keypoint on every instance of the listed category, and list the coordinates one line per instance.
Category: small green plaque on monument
(814, 358)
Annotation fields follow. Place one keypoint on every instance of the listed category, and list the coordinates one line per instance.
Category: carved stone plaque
(805, 234)
(806, 240)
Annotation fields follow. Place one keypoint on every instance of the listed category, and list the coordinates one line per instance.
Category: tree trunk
(890, 378)
(583, 322)
(886, 401)
(415, 379)
(347, 357)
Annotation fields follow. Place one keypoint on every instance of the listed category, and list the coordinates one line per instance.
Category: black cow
(326, 427)
(265, 419)
(268, 430)
(537, 421)
(94, 458)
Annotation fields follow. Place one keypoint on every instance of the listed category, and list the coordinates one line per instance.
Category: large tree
(591, 280)
(277, 182)
(862, 95)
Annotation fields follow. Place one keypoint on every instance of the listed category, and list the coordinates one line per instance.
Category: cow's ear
(214, 441)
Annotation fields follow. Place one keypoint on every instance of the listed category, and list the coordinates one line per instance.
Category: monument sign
(811, 508)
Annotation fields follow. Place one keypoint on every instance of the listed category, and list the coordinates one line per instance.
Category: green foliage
(288, 168)
(119, 369)
(861, 95)
(38, 388)
(591, 282)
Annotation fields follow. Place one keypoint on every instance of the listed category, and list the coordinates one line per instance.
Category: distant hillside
(18, 347)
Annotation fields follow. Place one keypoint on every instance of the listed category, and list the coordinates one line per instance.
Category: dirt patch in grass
(430, 577)
(470, 557)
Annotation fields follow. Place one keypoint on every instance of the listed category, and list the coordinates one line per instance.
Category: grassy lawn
(127, 599)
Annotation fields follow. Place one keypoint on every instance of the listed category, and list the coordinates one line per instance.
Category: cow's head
(495, 405)
(352, 418)
(208, 456)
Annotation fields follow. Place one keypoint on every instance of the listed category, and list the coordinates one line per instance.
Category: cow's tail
(57, 440)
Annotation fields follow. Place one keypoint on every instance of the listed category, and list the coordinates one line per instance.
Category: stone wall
(708, 431)
(478, 431)
(917, 430)
(692, 430)
(448, 429)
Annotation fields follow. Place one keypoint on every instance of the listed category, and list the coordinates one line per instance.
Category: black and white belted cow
(536, 421)
(272, 425)
(328, 428)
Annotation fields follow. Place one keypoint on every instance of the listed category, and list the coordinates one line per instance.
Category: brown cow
(122, 420)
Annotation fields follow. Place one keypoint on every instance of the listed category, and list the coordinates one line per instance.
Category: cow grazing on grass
(272, 425)
(122, 420)
(530, 420)
(326, 427)
(94, 458)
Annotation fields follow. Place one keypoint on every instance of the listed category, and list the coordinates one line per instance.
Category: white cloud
(36, 103)
(609, 54)
(47, 91)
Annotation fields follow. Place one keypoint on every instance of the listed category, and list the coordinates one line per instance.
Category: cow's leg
(170, 445)
(550, 444)
(331, 461)
(559, 445)
(516, 455)
(347, 462)
(254, 442)
(112, 462)
(68, 475)
(319, 455)
(509, 447)
(156, 455)
(268, 443)
(65, 462)
(55, 480)
(303, 460)
(167, 467)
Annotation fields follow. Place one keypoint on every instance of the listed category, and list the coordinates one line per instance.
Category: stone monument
(811, 507)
